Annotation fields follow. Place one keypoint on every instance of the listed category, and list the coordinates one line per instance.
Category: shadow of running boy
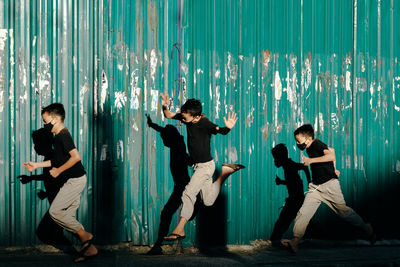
(295, 189)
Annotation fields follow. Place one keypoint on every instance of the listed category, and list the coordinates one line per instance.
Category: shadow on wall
(109, 218)
(379, 206)
(211, 223)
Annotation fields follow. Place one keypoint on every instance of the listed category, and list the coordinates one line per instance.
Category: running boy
(325, 187)
(66, 160)
(295, 189)
(199, 130)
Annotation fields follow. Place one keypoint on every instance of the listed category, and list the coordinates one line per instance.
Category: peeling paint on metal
(104, 87)
(82, 93)
(277, 86)
(120, 100)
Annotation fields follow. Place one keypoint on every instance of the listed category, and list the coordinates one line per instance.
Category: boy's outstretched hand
(231, 121)
(164, 99)
(30, 166)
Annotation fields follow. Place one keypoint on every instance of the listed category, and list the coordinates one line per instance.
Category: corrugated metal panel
(279, 64)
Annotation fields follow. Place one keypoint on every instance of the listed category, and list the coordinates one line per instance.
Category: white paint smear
(103, 155)
(44, 75)
(104, 87)
(292, 87)
(277, 86)
(120, 100)
(231, 68)
(23, 97)
(82, 93)
(154, 100)
(307, 76)
(135, 95)
(153, 63)
(250, 117)
(217, 74)
(3, 38)
(233, 154)
(348, 80)
(120, 150)
(1, 100)
(334, 121)
(184, 68)
(217, 98)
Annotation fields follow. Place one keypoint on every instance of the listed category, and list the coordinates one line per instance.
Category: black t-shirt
(199, 138)
(63, 144)
(321, 172)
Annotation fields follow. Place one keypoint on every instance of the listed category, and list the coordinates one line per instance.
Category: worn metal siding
(334, 64)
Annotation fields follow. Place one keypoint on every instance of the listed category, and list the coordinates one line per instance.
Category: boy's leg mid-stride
(201, 182)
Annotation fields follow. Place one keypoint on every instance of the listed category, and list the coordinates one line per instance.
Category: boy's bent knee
(54, 213)
(208, 203)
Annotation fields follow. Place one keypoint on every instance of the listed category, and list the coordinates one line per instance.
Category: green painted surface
(278, 64)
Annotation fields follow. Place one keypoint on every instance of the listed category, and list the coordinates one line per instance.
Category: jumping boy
(325, 187)
(295, 189)
(199, 130)
(66, 160)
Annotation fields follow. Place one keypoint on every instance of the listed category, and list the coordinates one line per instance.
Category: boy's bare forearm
(43, 164)
(70, 163)
(167, 113)
(328, 157)
(325, 158)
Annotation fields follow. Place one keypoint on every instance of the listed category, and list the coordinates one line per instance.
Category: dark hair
(55, 109)
(305, 129)
(280, 151)
(193, 107)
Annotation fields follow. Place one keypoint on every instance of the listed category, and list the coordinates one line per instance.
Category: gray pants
(202, 182)
(331, 194)
(63, 209)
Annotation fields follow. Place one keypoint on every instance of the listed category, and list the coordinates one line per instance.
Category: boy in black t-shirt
(199, 131)
(66, 160)
(295, 189)
(48, 230)
(325, 187)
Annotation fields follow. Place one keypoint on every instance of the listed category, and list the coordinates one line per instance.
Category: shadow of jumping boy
(179, 162)
(48, 231)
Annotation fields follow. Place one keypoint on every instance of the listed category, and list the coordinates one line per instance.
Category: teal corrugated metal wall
(278, 64)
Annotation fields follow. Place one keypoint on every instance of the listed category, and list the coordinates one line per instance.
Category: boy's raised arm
(165, 102)
(229, 124)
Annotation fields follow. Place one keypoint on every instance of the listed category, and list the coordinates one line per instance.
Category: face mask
(302, 146)
(48, 126)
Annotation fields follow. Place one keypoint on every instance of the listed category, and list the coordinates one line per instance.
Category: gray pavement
(260, 253)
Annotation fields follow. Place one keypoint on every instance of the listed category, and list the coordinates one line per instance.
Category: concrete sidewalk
(311, 253)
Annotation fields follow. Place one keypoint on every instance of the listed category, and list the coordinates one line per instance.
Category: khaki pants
(331, 194)
(202, 182)
(64, 206)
